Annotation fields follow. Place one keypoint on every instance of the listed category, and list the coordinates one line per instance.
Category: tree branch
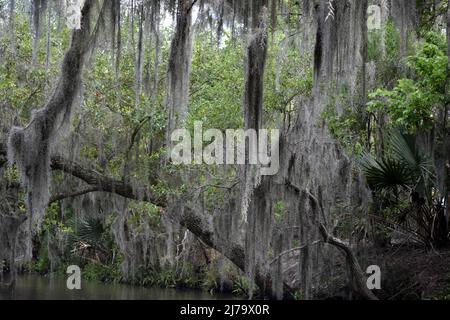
(293, 250)
(186, 217)
(62, 196)
(107, 184)
(358, 279)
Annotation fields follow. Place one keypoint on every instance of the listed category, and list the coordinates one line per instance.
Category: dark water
(35, 287)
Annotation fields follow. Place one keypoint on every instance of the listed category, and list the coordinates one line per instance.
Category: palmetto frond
(404, 150)
(403, 166)
(87, 229)
(386, 173)
(90, 230)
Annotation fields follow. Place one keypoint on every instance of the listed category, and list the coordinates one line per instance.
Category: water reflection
(35, 287)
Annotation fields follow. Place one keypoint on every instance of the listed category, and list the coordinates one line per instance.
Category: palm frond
(90, 230)
(86, 229)
(387, 173)
(404, 150)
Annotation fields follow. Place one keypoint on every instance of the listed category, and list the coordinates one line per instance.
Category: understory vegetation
(86, 118)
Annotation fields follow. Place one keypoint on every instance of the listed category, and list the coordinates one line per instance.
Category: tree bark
(256, 61)
(179, 69)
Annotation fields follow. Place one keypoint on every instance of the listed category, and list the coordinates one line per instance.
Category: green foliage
(429, 14)
(288, 76)
(386, 173)
(211, 280)
(111, 111)
(103, 273)
(298, 295)
(241, 286)
(387, 58)
(42, 265)
(167, 278)
(217, 83)
(23, 87)
(345, 126)
(280, 211)
(407, 105)
(402, 167)
(414, 102)
(90, 230)
(52, 225)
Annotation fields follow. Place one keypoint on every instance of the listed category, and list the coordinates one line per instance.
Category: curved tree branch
(62, 196)
(105, 183)
(358, 280)
(187, 218)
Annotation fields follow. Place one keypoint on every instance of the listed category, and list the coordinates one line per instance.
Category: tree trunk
(179, 69)
(256, 61)
(30, 147)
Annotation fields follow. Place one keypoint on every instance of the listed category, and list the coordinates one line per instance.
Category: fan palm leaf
(387, 173)
(403, 166)
(86, 229)
(405, 151)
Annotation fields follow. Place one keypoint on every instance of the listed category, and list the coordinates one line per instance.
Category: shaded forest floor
(410, 273)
